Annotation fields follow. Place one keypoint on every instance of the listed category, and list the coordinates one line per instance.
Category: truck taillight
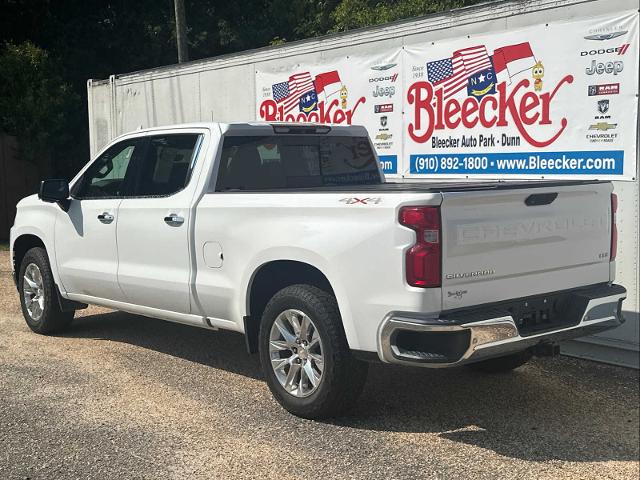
(614, 227)
(423, 260)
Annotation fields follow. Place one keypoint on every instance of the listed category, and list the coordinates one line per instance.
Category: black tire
(52, 319)
(343, 376)
(502, 364)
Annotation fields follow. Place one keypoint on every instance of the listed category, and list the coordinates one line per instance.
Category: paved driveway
(126, 397)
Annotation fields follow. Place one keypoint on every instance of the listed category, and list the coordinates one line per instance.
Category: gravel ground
(128, 397)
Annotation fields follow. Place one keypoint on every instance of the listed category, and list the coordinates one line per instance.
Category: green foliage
(350, 14)
(34, 102)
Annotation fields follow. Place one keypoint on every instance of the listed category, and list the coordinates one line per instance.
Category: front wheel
(304, 353)
(38, 294)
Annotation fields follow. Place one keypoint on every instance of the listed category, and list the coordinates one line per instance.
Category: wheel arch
(19, 248)
(34, 226)
(271, 277)
(21, 245)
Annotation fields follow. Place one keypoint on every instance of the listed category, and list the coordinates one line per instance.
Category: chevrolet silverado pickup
(289, 234)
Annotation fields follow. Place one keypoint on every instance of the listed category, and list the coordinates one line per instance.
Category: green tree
(35, 103)
(350, 14)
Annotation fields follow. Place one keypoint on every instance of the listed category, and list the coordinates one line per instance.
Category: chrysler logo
(605, 36)
(383, 67)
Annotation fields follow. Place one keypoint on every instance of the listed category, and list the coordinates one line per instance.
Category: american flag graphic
(453, 73)
(280, 91)
(289, 93)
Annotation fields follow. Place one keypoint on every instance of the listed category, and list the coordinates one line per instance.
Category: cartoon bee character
(343, 97)
(538, 72)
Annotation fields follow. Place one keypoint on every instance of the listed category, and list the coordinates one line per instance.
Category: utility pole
(181, 31)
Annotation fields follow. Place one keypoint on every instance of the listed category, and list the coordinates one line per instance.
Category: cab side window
(166, 165)
(107, 176)
(295, 161)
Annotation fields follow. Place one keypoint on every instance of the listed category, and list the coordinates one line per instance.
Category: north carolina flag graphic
(511, 60)
(324, 80)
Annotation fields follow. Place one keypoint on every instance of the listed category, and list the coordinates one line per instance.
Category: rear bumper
(467, 336)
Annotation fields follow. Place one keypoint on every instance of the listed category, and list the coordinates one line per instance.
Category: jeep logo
(607, 67)
(384, 91)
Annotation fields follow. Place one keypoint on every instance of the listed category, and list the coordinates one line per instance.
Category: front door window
(107, 176)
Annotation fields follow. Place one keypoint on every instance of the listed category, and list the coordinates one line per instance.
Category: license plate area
(547, 312)
(541, 313)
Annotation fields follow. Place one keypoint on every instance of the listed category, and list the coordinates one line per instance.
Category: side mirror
(55, 191)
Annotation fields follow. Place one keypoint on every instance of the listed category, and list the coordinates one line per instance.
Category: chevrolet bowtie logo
(604, 126)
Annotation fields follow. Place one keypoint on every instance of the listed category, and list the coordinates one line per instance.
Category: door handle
(105, 217)
(173, 220)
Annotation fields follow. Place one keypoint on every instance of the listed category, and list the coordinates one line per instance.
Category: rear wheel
(38, 294)
(304, 353)
(502, 364)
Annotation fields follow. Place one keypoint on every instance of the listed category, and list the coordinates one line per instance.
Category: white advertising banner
(349, 90)
(548, 100)
(552, 100)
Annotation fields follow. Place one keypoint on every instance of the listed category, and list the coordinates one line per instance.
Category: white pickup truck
(290, 234)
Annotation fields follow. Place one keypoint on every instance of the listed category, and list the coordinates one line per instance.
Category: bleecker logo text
(270, 111)
(501, 110)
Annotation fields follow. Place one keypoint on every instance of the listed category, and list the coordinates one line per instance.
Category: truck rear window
(295, 161)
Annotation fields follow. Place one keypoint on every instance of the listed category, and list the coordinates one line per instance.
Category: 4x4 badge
(363, 201)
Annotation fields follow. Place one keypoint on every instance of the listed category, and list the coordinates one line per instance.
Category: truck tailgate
(509, 243)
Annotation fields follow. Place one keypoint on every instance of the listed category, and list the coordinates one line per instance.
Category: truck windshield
(296, 161)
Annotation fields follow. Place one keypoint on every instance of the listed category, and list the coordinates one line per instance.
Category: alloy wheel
(296, 353)
(33, 291)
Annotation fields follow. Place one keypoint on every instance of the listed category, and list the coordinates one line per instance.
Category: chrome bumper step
(451, 339)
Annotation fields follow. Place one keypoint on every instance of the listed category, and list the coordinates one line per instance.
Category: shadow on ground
(551, 409)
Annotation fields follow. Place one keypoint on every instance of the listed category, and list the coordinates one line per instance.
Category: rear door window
(166, 165)
(295, 161)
